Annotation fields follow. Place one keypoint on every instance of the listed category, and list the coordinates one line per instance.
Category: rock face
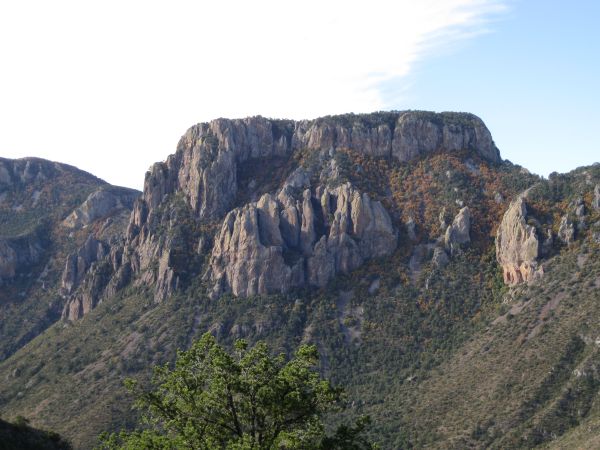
(440, 258)
(458, 233)
(30, 171)
(517, 245)
(418, 134)
(566, 230)
(301, 235)
(78, 264)
(204, 168)
(99, 204)
(596, 200)
(19, 253)
(26, 170)
(90, 274)
(8, 261)
(284, 242)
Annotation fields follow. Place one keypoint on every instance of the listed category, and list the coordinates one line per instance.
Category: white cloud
(110, 86)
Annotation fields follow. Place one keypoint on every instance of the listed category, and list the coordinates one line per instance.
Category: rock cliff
(101, 203)
(299, 235)
(19, 253)
(517, 245)
(283, 242)
(566, 230)
(458, 233)
(204, 168)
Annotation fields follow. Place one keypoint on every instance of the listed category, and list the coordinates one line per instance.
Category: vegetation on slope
(31, 212)
(438, 357)
(21, 436)
(246, 399)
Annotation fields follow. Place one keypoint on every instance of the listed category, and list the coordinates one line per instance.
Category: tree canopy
(247, 399)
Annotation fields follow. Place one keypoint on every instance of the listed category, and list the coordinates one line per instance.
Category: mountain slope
(35, 197)
(398, 242)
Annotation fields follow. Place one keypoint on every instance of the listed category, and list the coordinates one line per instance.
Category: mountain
(452, 292)
(46, 210)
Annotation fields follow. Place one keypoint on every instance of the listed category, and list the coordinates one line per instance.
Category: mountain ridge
(204, 171)
(396, 269)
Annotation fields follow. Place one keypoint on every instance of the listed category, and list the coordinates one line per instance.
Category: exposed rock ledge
(279, 243)
(517, 246)
(458, 233)
(204, 166)
(18, 253)
(100, 203)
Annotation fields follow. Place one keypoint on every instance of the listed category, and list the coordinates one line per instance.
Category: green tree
(249, 399)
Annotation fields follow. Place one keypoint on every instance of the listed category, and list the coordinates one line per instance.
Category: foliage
(245, 400)
(447, 355)
(31, 212)
(19, 435)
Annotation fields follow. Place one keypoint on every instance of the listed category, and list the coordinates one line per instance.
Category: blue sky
(534, 78)
(111, 86)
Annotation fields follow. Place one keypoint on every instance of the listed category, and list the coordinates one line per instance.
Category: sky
(111, 86)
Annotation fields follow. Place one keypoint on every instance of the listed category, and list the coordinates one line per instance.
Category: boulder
(410, 229)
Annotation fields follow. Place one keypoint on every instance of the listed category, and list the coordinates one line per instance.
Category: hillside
(20, 436)
(452, 293)
(38, 203)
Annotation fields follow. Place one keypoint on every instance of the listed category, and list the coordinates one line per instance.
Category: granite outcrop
(517, 245)
(282, 242)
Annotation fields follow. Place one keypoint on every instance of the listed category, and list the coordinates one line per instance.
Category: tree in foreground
(212, 399)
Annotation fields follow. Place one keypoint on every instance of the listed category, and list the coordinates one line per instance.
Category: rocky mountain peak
(312, 226)
(204, 167)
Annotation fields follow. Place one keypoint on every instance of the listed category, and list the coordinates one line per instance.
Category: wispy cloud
(130, 76)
